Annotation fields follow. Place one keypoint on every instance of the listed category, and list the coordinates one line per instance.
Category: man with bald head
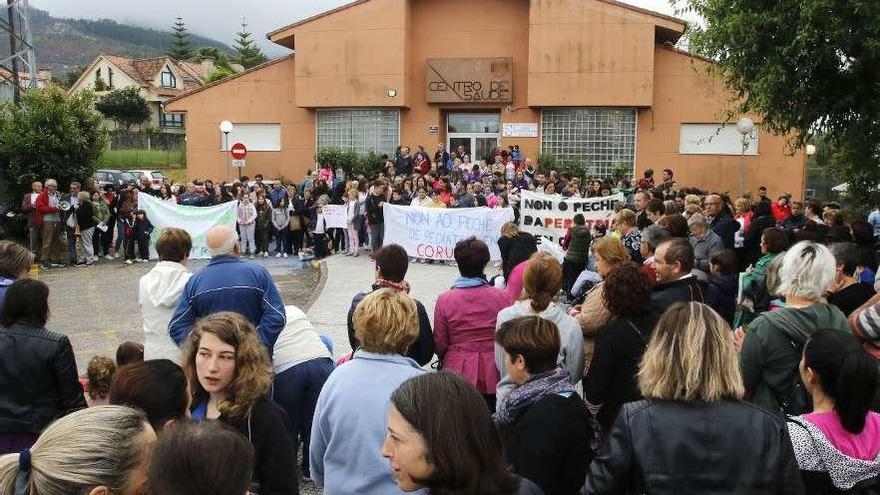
(720, 219)
(229, 284)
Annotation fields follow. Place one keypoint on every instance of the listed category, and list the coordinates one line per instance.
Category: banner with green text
(197, 220)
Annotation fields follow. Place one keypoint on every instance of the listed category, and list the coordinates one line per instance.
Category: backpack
(797, 400)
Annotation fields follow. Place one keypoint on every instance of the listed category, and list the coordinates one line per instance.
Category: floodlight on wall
(392, 93)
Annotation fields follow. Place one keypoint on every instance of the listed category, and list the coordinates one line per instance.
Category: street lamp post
(226, 127)
(744, 126)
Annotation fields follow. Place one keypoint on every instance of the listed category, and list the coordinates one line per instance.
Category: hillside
(65, 44)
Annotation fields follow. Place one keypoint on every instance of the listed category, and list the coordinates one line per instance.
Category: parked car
(118, 178)
(156, 177)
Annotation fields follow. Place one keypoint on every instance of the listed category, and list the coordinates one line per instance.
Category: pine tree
(248, 54)
(180, 48)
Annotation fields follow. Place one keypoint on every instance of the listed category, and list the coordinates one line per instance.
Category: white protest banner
(551, 216)
(197, 220)
(431, 233)
(336, 216)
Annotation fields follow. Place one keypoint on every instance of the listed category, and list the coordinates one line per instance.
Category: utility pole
(21, 47)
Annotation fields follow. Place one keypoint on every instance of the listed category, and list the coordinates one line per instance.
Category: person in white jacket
(542, 281)
(247, 222)
(303, 360)
(159, 293)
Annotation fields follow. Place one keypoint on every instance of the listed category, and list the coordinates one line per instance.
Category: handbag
(295, 223)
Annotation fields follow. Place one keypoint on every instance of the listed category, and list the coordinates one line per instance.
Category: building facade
(593, 81)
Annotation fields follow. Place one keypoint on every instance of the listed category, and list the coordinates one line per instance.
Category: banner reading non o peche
(551, 216)
(197, 220)
(431, 233)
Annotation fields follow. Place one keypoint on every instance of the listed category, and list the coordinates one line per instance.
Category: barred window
(602, 139)
(360, 130)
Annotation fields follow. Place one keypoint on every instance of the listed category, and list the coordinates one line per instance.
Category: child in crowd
(515, 155)
(99, 377)
(319, 231)
(263, 227)
(326, 173)
(247, 218)
(141, 229)
(129, 352)
(280, 223)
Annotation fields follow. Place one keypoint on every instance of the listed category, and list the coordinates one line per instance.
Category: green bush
(350, 161)
(52, 135)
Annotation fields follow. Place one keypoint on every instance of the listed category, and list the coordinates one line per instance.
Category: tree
(180, 48)
(806, 66)
(220, 58)
(126, 107)
(218, 74)
(248, 54)
(52, 135)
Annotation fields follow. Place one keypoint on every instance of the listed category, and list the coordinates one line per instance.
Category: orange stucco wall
(261, 97)
(565, 53)
(685, 93)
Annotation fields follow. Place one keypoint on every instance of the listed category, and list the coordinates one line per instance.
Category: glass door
(463, 141)
(477, 133)
(483, 148)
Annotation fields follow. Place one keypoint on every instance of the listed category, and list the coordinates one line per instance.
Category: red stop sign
(238, 151)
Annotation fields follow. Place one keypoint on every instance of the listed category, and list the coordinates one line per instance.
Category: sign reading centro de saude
(456, 80)
(551, 216)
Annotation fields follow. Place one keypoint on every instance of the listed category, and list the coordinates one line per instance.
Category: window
(170, 119)
(255, 137)
(602, 139)
(715, 139)
(98, 76)
(110, 77)
(360, 130)
(167, 79)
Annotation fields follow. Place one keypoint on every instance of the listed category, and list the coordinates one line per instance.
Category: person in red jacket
(49, 219)
(781, 209)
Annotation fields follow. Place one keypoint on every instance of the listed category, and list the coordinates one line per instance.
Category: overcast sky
(220, 19)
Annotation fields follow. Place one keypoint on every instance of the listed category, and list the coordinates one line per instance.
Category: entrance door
(477, 133)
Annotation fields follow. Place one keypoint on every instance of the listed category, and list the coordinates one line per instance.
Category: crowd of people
(697, 344)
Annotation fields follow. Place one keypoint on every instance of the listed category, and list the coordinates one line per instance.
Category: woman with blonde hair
(15, 263)
(694, 420)
(97, 451)
(348, 428)
(229, 374)
(593, 313)
(626, 224)
(541, 283)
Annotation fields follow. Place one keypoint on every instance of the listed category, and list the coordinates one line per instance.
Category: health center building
(597, 81)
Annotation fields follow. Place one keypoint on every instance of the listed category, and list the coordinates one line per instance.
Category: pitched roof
(145, 70)
(229, 78)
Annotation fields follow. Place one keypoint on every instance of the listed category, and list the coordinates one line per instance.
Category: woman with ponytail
(542, 281)
(838, 445)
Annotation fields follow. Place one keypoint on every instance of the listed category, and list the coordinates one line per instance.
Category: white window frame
(357, 109)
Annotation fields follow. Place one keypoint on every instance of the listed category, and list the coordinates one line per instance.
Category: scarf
(468, 282)
(539, 386)
(401, 286)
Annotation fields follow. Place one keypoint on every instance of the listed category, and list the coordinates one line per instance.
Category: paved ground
(97, 306)
(347, 276)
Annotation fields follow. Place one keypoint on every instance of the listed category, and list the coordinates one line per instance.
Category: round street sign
(238, 151)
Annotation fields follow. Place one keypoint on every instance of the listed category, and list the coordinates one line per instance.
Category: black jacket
(422, 350)
(275, 460)
(515, 250)
(725, 226)
(682, 290)
(375, 215)
(38, 379)
(722, 295)
(752, 240)
(85, 216)
(682, 448)
(612, 378)
(549, 444)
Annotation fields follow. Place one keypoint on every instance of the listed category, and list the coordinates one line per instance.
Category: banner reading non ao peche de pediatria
(431, 233)
(551, 216)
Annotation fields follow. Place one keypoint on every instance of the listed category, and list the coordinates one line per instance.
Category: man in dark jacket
(673, 262)
(403, 164)
(797, 219)
(392, 263)
(376, 216)
(29, 208)
(721, 220)
(229, 284)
